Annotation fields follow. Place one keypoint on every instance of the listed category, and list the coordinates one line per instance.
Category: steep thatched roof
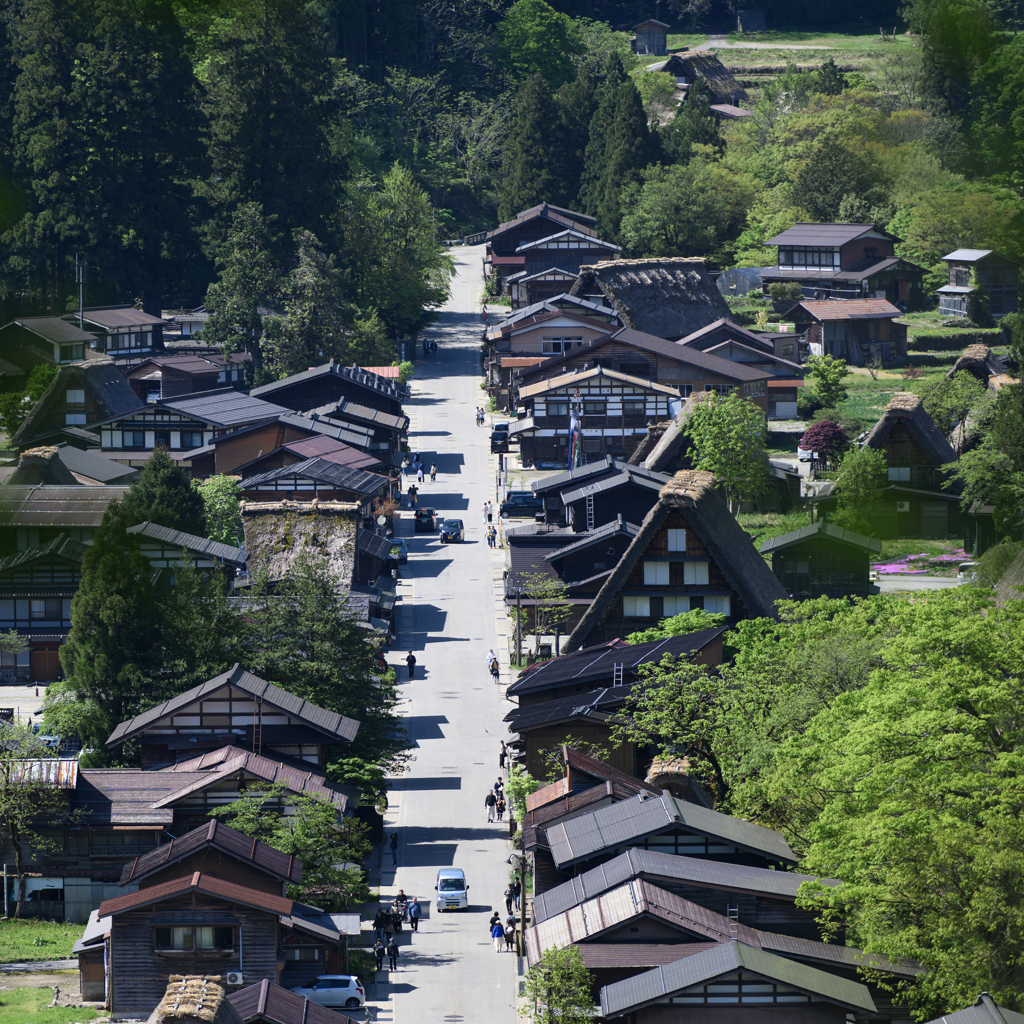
(667, 297)
(672, 447)
(655, 432)
(909, 409)
(279, 532)
(706, 66)
(191, 999)
(1008, 587)
(42, 466)
(693, 492)
(978, 360)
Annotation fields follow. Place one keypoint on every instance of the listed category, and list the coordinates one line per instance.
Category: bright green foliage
(949, 401)
(331, 846)
(828, 374)
(831, 81)
(553, 757)
(729, 440)
(959, 38)
(519, 786)
(692, 621)
(695, 123)
(164, 495)
(220, 504)
(832, 173)
(405, 371)
(39, 380)
(115, 646)
(14, 407)
(557, 989)
(997, 114)
(535, 39)
(530, 163)
(858, 486)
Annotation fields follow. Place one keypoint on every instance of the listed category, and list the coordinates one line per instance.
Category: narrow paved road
(450, 972)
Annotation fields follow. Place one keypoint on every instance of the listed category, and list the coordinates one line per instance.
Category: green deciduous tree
(220, 505)
(858, 486)
(164, 495)
(692, 621)
(997, 114)
(949, 401)
(533, 39)
(558, 989)
(828, 374)
(728, 439)
(695, 123)
(834, 171)
(959, 37)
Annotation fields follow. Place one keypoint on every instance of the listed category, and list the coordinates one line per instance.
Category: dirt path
(722, 43)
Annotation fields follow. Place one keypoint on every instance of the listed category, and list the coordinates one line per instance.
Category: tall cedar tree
(695, 123)
(577, 103)
(629, 149)
(114, 651)
(598, 133)
(164, 495)
(529, 171)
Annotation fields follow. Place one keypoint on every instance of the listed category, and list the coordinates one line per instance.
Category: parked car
(425, 520)
(499, 441)
(453, 531)
(805, 454)
(334, 990)
(501, 427)
(452, 889)
(967, 572)
(520, 504)
(400, 551)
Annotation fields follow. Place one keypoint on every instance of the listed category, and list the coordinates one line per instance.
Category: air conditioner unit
(234, 978)
(902, 506)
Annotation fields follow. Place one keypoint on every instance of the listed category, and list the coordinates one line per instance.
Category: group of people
(503, 932)
(492, 537)
(429, 348)
(388, 923)
(495, 801)
(415, 467)
(493, 667)
(480, 416)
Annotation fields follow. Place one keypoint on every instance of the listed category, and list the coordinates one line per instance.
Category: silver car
(334, 990)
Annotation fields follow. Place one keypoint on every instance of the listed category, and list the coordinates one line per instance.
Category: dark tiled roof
(600, 661)
(124, 796)
(600, 956)
(225, 408)
(822, 529)
(553, 809)
(599, 703)
(328, 722)
(116, 316)
(345, 409)
(846, 309)
(631, 476)
(350, 433)
(371, 544)
(585, 837)
(597, 536)
(825, 234)
(627, 996)
(219, 836)
(60, 547)
(187, 364)
(557, 481)
(370, 381)
(227, 553)
(639, 863)
(53, 328)
(699, 339)
(985, 1011)
(344, 478)
(95, 466)
(556, 214)
(197, 882)
(269, 1002)
(332, 450)
(49, 505)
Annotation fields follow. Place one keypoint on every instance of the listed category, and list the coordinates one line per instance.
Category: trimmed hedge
(954, 341)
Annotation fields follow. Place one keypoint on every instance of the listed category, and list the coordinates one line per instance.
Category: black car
(520, 504)
(425, 520)
(453, 531)
(499, 441)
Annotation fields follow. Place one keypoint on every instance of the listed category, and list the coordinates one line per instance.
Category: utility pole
(80, 278)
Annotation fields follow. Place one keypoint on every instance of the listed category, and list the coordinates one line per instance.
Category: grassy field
(677, 40)
(36, 940)
(854, 41)
(31, 1006)
(765, 526)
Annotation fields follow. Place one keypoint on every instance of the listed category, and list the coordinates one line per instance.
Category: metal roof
(345, 409)
(115, 316)
(56, 505)
(370, 381)
(95, 466)
(332, 450)
(224, 408)
(220, 837)
(594, 243)
(587, 836)
(604, 701)
(848, 309)
(350, 433)
(197, 882)
(124, 796)
(556, 481)
(581, 376)
(629, 995)
(266, 1001)
(61, 546)
(968, 255)
(227, 553)
(373, 545)
(985, 1011)
(669, 867)
(53, 328)
(597, 536)
(345, 478)
(328, 722)
(96, 930)
(628, 477)
(822, 529)
(825, 234)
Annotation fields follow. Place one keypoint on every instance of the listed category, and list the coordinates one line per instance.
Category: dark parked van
(521, 504)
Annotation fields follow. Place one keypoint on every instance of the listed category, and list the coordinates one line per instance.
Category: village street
(449, 971)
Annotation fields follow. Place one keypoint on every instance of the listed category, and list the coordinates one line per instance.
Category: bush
(956, 340)
(825, 436)
(994, 562)
(850, 424)
(808, 404)
(789, 291)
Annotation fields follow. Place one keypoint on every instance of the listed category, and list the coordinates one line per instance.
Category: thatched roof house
(42, 466)
(979, 361)
(670, 454)
(687, 67)
(907, 410)
(194, 999)
(667, 297)
(277, 533)
(709, 561)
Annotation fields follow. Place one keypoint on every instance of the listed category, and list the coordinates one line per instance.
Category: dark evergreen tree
(831, 81)
(532, 153)
(576, 102)
(164, 495)
(595, 153)
(831, 173)
(695, 123)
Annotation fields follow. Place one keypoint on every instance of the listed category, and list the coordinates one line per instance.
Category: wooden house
(267, 1003)
(688, 370)
(526, 288)
(857, 330)
(727, 340)
(592, 412)
(172, 376)
(500, 333)
(970, 269)
(235, 707)
(333, 383)
(387, 430)
(65, 465)
(916, 502)
(330, 449)
(551, 264)
(984, 1011)
(121, 332)
(690, 66)
(318, 478)
(31, 341)
(845, 261)
(81, 395)
(650, 38)
(690, 553)
(668, 449)
(31, 515)
(165, 548)
(229, 452)
(667, 297)
(552, 332)
(823, 560)
(181, 424)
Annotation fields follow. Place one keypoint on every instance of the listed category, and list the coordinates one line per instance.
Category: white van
(452, 889)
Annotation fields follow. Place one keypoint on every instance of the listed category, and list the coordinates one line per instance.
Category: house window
(695, 573)
(719, 389)
(636, 607)
(685, 390)
(675, 605)
(45, 608)
(801, 566)
(787, 351)
(192, 937)
(134, 439)
(677, 540)
(72, 353)
(656, 574)
(722, 605)
(634, 412)
(74, 419)
(593, 408)
(899, 473)
(191, 439)
(302, 953)
(963, 278)
(74, 398)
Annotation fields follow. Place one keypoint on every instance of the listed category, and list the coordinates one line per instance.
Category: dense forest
(296, 166)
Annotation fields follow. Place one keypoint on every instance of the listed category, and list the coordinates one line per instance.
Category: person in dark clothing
(516, 889)
(410, 660)
(393, 954)
(501, 806)
(495, 919)
(415, 912)
(393, 845)
(490, 802)
(378, 954)
(396, 920)
(510, 937)
(378, 927)
(495, 671)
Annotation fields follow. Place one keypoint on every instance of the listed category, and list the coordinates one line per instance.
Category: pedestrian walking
(433, 348)
(415, 912)
(508, 898)
(502, 754)
(396, 920)
(378, 924)
(483, 512)
(517, 888)
(490, 512)
(510, 937)
(419, 474)
(498, 934)
(433, 472)
(410, 660)
(495, 675)
(500, 806)
(393, 954)
(490, 802)
(405, 466)
(495, 919)
(393, 844)
(389, 926)
(378, 954)
(498, 786)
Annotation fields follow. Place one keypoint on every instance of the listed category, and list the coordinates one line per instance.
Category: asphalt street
(448, 971)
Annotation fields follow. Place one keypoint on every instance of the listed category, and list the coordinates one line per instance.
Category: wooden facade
(823, 560)
(857, 330)
(970, 268)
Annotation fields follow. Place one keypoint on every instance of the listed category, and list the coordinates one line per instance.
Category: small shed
(651, 37)
(822, 560)
(751, 21)
(970, 269)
